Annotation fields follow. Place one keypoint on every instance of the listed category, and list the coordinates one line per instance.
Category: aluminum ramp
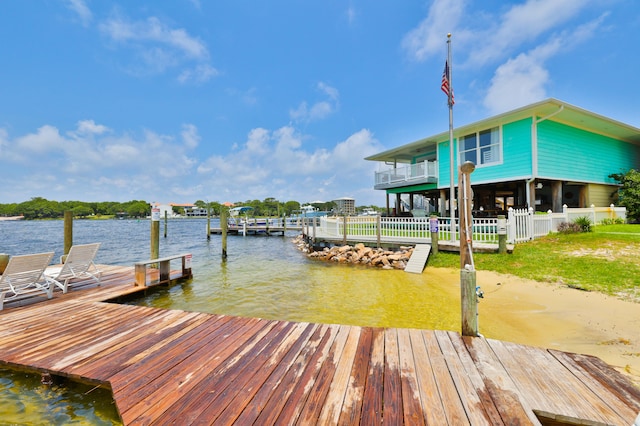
(418, 258)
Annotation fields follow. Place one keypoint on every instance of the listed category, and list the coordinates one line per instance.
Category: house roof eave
(554, 109)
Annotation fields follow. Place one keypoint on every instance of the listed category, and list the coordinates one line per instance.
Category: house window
(481, 148)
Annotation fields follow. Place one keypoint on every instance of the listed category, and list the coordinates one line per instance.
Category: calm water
(264, 277)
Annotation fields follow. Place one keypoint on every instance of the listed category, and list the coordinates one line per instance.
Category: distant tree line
(267, 207)
(41, 208)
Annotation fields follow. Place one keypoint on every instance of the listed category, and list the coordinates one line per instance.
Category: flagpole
(452, 189)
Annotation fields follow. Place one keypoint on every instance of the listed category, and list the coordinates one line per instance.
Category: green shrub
(614, 221)
(584, 223)
(569, 228)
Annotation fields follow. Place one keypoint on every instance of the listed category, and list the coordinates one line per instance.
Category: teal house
(544, 155)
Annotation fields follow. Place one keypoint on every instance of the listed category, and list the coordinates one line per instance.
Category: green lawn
(605, 260)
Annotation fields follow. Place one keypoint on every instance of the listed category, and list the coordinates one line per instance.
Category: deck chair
(78, 264)
(23, 277)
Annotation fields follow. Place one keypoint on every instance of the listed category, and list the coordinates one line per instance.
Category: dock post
(68, 232)
(315, 224)
(468, 290)
(208, 223)
(165, 223)
(155, 233)
(502, 234)
(469, 302)
(344, 229)
(224, 222)
(433, 227)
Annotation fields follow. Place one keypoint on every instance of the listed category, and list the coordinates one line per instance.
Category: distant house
(544, 155)
(188, 210)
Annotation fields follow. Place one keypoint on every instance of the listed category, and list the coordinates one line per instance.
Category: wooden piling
(433, 227)
(155, 233)
(502, 234)
(165, 223)
(344, 229)
(468, 296)
(208, 223)
(469, 302)
(68, 231)
(224, 222)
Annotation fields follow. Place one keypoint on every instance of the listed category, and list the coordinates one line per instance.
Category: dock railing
(522, 225)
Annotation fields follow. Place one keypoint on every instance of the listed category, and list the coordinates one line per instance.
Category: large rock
(359, 254)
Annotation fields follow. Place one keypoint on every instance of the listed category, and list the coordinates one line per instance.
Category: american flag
(445, 83)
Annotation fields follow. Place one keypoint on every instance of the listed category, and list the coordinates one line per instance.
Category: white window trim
(500, 148)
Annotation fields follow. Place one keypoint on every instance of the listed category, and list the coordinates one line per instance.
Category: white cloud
(89, 127)
(522, 23)
(46, 139)
(518, 82)
(153, 31)
(257, 142)
(82, 10)
(428, 38)
(190, 135)
(158, 47)
(93, 162)
(524, 79)
(277, 164)
(319, 110)
(200, 74)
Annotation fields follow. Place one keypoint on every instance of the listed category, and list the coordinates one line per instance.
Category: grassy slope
(605, 260)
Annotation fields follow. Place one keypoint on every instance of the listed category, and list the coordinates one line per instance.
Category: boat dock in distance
(257, 226)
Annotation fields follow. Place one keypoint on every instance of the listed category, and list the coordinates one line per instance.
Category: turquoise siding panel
(567, 153)
(516, 157)
(443, 164)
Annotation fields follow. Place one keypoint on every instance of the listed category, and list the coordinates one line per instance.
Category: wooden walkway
(177, 367)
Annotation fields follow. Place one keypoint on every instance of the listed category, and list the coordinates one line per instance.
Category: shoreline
(555, 316)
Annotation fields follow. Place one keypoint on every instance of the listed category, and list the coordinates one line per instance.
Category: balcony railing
(423, 172)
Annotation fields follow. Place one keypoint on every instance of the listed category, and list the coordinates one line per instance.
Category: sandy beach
(558, 317)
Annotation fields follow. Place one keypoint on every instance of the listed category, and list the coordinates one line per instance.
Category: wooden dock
(177, 367)
(259, 227)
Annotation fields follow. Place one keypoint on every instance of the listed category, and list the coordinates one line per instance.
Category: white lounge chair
(78, 264)
(23, 277)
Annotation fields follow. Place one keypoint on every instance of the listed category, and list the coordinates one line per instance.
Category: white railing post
(510, 236)
(593, 214)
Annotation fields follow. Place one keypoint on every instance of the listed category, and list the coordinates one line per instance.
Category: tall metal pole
(452, 188)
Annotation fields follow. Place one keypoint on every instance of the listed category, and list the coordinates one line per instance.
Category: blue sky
(185, 100)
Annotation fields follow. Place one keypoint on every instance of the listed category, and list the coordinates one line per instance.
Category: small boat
(368, 211)
(7, 218)
(235, 215)
(309, 211)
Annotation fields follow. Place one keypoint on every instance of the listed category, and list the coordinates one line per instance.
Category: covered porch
(493, 199)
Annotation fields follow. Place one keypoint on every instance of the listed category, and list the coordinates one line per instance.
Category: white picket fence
(522, 225)
(525, 224)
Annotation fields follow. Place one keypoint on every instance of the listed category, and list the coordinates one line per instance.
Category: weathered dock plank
(176, 367)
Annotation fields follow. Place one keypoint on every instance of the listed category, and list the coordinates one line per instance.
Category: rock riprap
(359, 254)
